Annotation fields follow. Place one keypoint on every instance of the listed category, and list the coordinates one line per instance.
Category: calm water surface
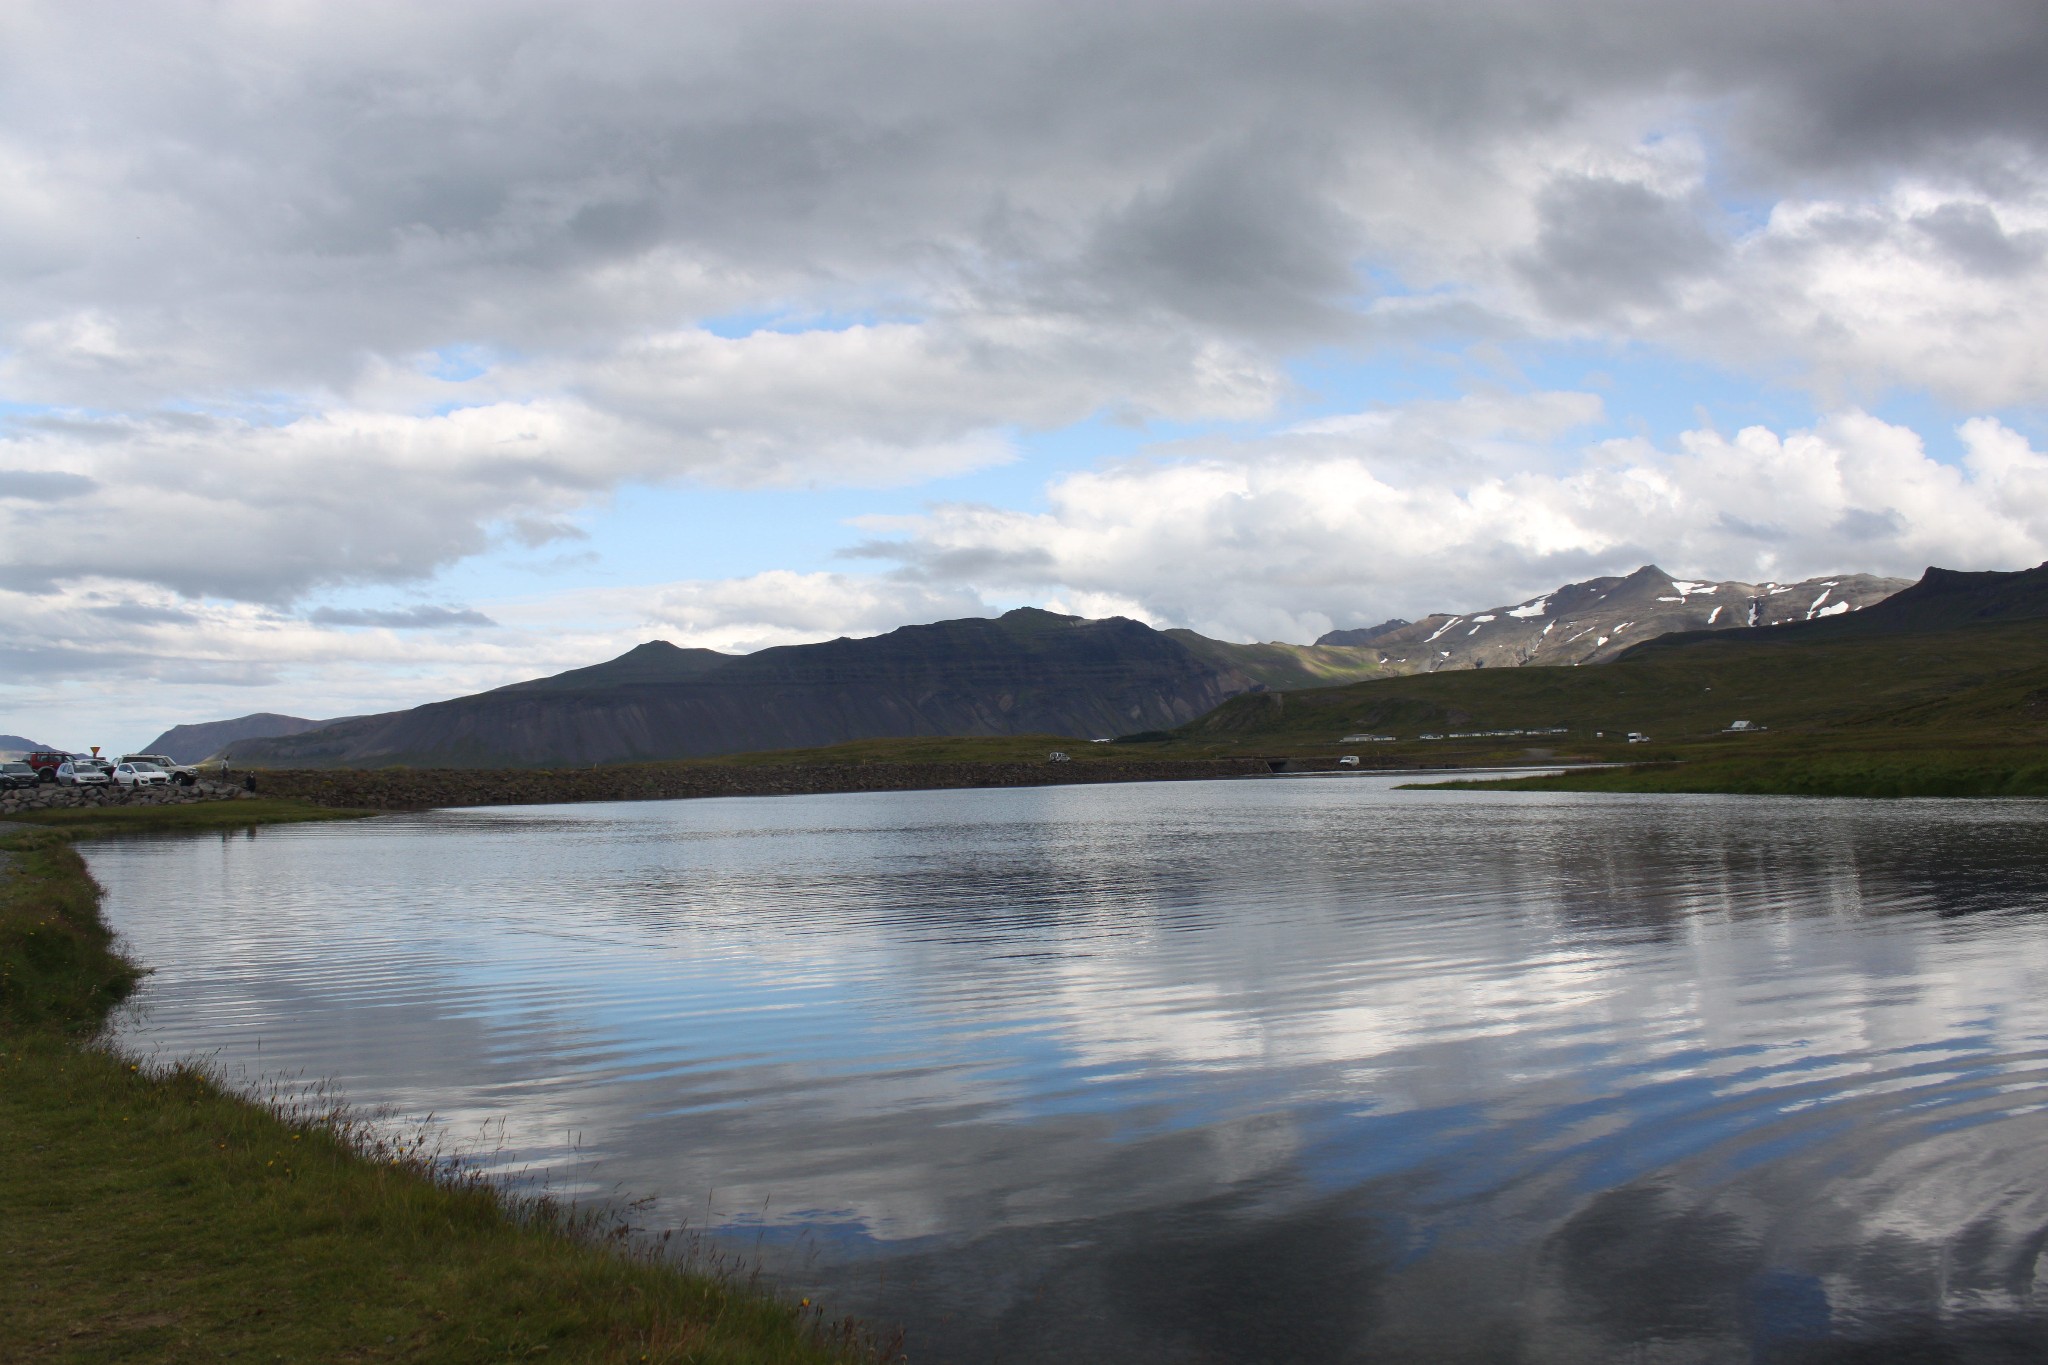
(1289, 1070)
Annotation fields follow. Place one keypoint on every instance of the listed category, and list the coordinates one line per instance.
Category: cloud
(778, 608)
(371, 495)
(543, 181)
(1339, 523)
(1608, 245)
(404, 618)
(43, 485)
(324, 298)
(105, 653)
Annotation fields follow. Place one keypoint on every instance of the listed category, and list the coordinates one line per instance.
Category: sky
(356, 356)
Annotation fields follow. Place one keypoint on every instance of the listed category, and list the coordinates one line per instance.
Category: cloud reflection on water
(1224, 1071)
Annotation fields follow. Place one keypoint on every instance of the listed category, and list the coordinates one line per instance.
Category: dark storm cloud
(1606, 245)
(1837, 89)
(395, 179)
(1241, 239)
(1973, 236)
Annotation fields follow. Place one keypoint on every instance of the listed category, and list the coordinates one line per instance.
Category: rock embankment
(50, 796)
(421, 788)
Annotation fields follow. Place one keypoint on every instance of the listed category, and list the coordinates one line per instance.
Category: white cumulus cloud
(1448, 507)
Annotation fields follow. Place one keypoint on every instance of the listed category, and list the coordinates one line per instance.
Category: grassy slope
(158, 1217)
(1979, 681)
(1287, 666)
(1960, 712)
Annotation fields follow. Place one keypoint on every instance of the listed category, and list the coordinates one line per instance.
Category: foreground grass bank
(200, 817)
(158, 1217)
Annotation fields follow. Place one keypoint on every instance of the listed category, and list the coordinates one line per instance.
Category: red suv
(46, 762)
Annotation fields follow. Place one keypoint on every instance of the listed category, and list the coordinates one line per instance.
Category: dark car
(14, 775)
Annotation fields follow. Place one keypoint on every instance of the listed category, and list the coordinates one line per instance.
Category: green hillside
(1949, 712)
(1991, 678)
(1285, 666)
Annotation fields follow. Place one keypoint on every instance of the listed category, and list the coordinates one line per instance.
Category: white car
(183, 774)
(85, 772)
(140, 775)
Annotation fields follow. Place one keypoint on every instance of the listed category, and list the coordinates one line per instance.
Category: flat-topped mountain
(1598, 619)
(1027, 672)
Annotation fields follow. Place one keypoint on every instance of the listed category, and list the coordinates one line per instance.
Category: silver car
(85, 772)
(134, 774)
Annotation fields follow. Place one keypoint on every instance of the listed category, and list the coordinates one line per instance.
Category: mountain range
(1956, 664)
(1598, 619)
(1026, 672)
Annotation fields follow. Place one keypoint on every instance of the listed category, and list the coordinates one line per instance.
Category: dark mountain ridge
(1026, 672)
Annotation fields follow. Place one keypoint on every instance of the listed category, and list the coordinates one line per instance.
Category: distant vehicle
(13, 775)
(46, 762)
(184, 774)
(1057, 756)
(85, 772)
(1348, 761)
(1743, 727)
(129, 774)
(1638, 737)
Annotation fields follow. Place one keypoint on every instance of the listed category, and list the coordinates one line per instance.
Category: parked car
(13, 775)
(85, 772)
(184, 774)
(46, 762)
(127, 774)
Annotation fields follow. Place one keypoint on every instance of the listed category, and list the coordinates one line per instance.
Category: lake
(1289, 1070)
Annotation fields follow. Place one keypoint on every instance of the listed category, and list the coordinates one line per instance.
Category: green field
(1955, 713)
(151, 1215)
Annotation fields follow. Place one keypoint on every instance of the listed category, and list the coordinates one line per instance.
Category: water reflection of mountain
(1259, 1071)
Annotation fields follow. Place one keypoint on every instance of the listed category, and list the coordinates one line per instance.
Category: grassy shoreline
(156, 1215)
(2014, 772)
